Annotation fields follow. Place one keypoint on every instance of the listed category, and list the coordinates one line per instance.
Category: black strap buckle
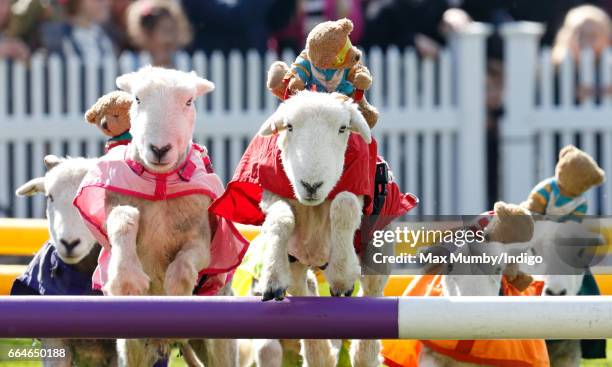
(380, 186)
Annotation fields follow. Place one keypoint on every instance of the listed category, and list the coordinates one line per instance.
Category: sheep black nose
(70, 245)
(311, 188)
(549, 292)
(160, 152)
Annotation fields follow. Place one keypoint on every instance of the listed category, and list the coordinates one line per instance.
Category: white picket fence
(543, 114)
(431, 128)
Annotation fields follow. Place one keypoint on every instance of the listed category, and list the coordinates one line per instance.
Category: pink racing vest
(116, 173)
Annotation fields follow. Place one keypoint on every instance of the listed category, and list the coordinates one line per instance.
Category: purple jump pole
(198, 317)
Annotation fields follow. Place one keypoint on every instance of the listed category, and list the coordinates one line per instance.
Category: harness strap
(381, 179)
(200, 284)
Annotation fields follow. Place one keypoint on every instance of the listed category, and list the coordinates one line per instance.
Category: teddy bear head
(111, 113)
(512, 224)
(576, 171)
(328, 45)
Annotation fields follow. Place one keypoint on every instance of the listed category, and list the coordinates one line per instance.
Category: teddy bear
(330, 63)
(516, 227)
(111, 115)
(561, 196)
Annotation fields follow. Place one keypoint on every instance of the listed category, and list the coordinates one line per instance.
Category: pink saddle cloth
(115, 172)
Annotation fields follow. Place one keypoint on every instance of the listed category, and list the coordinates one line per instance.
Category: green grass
(178, 362)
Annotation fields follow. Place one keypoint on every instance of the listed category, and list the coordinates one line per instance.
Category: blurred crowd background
(163, 27)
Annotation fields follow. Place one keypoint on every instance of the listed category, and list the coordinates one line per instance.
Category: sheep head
(162, 114)
(68, 232)
(313, 133)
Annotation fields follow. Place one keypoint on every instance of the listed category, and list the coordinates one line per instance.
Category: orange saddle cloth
(499, 353)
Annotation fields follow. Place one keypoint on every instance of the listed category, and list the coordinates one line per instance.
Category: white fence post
(470, 49)
(518, 156)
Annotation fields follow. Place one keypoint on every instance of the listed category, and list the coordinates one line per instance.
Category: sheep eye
(342, 129)
(189, 102)
(289, 127)
(50, 197)
(137, 100)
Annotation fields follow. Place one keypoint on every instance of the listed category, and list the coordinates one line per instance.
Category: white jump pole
(580, 317)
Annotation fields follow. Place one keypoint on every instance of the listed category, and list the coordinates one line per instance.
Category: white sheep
(509, 231)
(563, 272)
(77, 250)
(314, 130)
(158, 240)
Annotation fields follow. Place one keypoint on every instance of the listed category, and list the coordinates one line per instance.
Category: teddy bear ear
(502, 208)
(599, 177)
(124, 100)
(346, 25)
(91, 114)
(566, 149)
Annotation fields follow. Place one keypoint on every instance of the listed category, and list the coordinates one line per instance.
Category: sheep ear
(272, 124)
(358, 123)
(32, 187)
(124, 82)
(203, 86)
(51, 161)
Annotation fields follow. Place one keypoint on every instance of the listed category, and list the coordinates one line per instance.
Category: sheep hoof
(340, 293)
(276, 294)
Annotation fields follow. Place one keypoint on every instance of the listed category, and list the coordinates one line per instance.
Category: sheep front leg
(216, 352)
(343, 269)
(125, 273)
(365, 353)
(276, 229)
(139, 353)
(182, 273)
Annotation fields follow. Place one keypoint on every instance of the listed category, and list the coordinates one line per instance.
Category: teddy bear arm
(296, 84)
(519, 279)
(534, 203)
(360, 77)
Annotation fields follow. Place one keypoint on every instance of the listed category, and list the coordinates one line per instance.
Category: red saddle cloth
(261, 169)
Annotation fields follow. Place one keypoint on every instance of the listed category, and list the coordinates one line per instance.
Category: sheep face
(564, 265)
(162, 114)
(314, 130)
(68, 231)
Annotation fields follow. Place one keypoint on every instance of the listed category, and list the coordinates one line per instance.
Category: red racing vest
(261, 169)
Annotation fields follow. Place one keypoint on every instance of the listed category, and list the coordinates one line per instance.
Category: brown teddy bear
(507, 224)
(514, 225)
(328, 64)
(561, 196)
(111, 115)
